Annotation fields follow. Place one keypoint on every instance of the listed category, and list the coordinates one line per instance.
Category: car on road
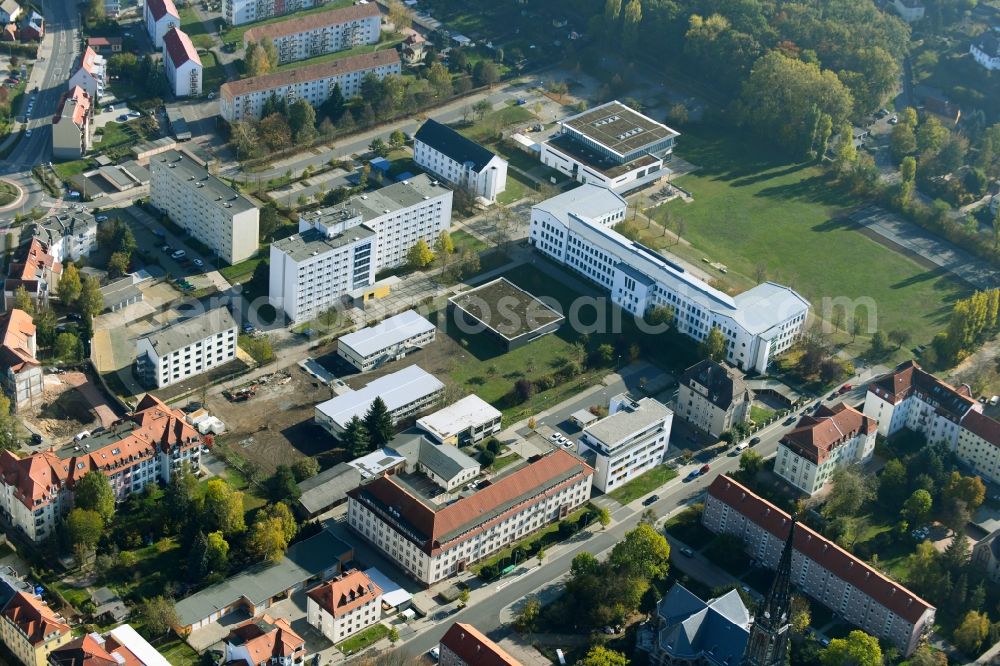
(845, 388)
(687, 552)
(692, 475)
(178, 254)
(434, 653)
(789, 421)
(101, 218)
(28, 133)
(122, 118)
(652, 499)
(704, 469)
(198, 262)
(754, 441)
(740, 448)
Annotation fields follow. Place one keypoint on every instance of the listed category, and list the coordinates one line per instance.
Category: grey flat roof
(396, 389)
(389, 199)
(618, 128)
(302, 561)
(120, 291)
(183, 333)
(387, 333)
(467, 412)
(328, 487)
(627, 421)
(66, 223)
(506, 308)
(313, 242)
(212, 190)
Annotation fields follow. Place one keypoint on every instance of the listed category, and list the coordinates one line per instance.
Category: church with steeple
(768, 642)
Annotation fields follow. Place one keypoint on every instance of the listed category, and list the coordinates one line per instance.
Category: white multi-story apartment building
(146, 447)
(468, 421)
(630, 440)
(90, 75)
(985, 49)
(244, 99)
(758, 324)
(432, 542)
(611, 145)
(345, 605)
(159, 17)
(853, 590)
(406, 393)
(181, 64)
(69, 235)
(713, 397)
(208, 209)
(317, 34)
(72, 126)
(823, 441)
(389, 340)
(331, 257)
(20, 372)
(339, 249)
(238, 12)
(460, 161)
(187, 348)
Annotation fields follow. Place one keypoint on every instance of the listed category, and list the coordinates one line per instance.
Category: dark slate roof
(724, 383)
(715, 632)
(449, 142)
(989, 43)
(328, 487)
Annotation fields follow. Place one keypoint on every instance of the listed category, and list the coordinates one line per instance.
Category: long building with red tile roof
(312, 35)
(160, 16)
(264, 640)
(181, 63)
(910, 397)
(821, 442)
(344, 605)
(122, 646)
(432, 541)
(30, 628)
(855, 591)
(20, 372)
(90, 74)
(149, 445)
(72, 130)
(464, 645)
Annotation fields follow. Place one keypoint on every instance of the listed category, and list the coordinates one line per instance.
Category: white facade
(467, 421)
(344, 606)
(447, 154)
(243, 99)
(90, 75)
(631, 440)
(160, 16)
(181, 64)
(318, 34)
(387, 341)
(986, 49)
(69, 235)
(757, 324)
(208, 209)
(187, 348)
(238, 12)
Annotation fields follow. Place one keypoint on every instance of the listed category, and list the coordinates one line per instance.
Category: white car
(101, 218)
(28, 133)
(555, 437)
(198, 262)
(434, 653)
(179, 254)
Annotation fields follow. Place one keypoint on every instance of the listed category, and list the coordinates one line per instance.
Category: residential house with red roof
(821, 442)
(90, 74)
(464, 645)
(122, 646)
(159, 17)
(105, 45)
(848, 586)
(317, 34)
(431, 539)
(36, 270)
(33, 28)
(28, 627)
(264, 640)
(72, 125)
(181, 64)
(344, 605)
(147, 446)
(20, 372)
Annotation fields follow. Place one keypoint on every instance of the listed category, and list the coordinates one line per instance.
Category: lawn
(213, 73)
(235, 33)
(66, 170)
(115, 134)
(490, 125)
(8, 193)
(463, 240)
(643, 484)
(751, 211)
(337, 55)
(179, 653)
(363, 639)
(242, 271)
(760, 414)
(504, 461)
(518, 187)
(195, 29)
(72, 595)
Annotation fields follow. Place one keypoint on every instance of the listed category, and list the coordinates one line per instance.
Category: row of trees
(973, 320)
(363, 435)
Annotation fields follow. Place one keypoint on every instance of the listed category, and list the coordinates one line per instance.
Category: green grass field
(751, 211)
(518, 187)
(214, 74)
(235, 33)
(363, 639)
(194, 28)
(643, 484)
(179, 653)
(241, 271)
(490, 124)
(357, 50)
(67, 170)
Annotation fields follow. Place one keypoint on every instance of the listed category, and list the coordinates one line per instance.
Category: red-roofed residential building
(147, 446)
(36, 270)
(90, 74)
(829, 438)
(344, 605)
(72, 126)
(33, 28)
(433, 541)
(31, 630)
(848, 586)
(265, 640)
(181, 63)
(122, 646)
(20, 372)
(464, 645)
(103, 45)
(160, 16)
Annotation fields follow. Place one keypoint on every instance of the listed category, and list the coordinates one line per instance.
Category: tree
(902, 142)
(850, 489)
(444, 244)
(282, 485)
(643, 553)
(305, 468)
(485, 73)
(157, 616)
(67, 347)
(751, 463)
(223, 508)
(255, 60)
(355, 438)
(23, 300)
(275, 134)
(926, 656)
(630, 25)
(629, 229)
(800, 614)
(917, 507)
(604, 517)
(118, 264)
(858, 649)
(612, 10)
(847, 152)
(420, 254)
(244, 138)
(69, 285)
(198, 558)
(527, 615)
(217, 552)
(302, 121)
(393, 635)
(661, 315)
(269, 220)
(91, 301)
(879, 345)
(379, 147)
(908, 169)
(931, 135)
(440, 79)
(969, 489)
(93, 492)
(971, 632)
(714, 345)
(378, 423)
(84, 528)
(45, 327)
(899, 337)
(397, 138)
(600, 655)
(266, 540)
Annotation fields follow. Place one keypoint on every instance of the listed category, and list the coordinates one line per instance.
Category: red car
(704, 470)
(845, 388)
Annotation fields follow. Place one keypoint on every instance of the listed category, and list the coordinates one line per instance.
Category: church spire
(769, 634)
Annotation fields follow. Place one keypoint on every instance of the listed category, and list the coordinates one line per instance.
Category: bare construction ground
(71, 403)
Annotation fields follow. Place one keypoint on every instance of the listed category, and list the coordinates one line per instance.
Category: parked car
(101, 218)
(434, 653)
(36, 438)
(166, 249)
(122, 118)
(521, 101)
(754, 441)
(704, 469)
(740, 448)
(687, 552)
(179, 254)
(652, 499)
(994, 400)
(198, 262)
(248, 328)
(789, 421)
(845, 388)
